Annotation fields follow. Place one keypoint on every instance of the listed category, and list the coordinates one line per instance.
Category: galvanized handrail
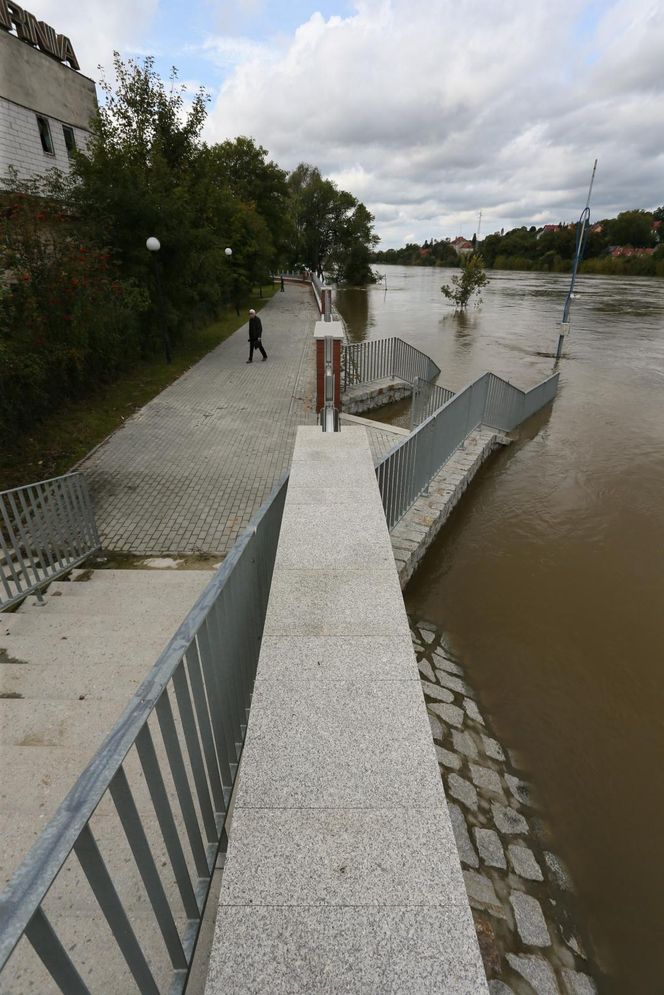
(378, 359)
(46, 529)
(426, 398)
(409, 467)
(199, 690)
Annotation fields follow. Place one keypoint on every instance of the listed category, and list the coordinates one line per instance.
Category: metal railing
(45, 529)
(378, 359)
(159, 786)
(426, 398)
(408, 468)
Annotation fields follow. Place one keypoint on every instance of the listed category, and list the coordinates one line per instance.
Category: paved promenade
(188, 471)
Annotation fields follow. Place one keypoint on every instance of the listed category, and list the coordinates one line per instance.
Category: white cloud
(97, 27)
(429, 110)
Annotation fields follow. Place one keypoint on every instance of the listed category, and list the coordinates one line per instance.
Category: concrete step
(67, 673)
(88, 627)
(77, 724)
(111, 676)
(139, 578)
(125, 597)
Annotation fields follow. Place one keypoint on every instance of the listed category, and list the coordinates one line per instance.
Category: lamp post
(153, 245)
(229, 253)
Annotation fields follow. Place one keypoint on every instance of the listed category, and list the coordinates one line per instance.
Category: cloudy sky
(429, 111)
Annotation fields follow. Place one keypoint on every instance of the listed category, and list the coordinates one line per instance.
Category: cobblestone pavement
(188, 471)
(528, 921)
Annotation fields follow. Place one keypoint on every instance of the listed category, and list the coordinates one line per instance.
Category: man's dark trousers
(256, 345)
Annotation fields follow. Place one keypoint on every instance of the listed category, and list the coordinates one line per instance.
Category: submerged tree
(471, 281)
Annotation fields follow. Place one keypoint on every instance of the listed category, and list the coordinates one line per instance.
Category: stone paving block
(338, 857)
(319, 743)
(519, 789)
(428, 634)
(305, 532)
(482, 894)
(537, 972)
(284, 951)
(578, 984)
(459, 788)
(334, 603)
(523, 861)
(558, 872)
(530, 921)
(472, 711)
(486, 780)
(460, 829)
(448, 713)
(426, 669)
(464, 743)
(437, 728)
(454, 683)
(443, 663)
(309, 481)
(433, 691)
(447, 758)
(493, 749)
(490, 847)
(508, 821)
(362, 658)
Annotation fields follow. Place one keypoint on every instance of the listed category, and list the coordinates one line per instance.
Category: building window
(45, 135)
(70, 140)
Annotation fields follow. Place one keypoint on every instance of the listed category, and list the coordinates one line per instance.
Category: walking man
(255, 333)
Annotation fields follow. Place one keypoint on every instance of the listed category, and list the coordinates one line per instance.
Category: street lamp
(228, 253)
(153, 245)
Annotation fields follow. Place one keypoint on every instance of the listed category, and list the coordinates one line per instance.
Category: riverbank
(55, 445)
(621, 266)
(526, 916)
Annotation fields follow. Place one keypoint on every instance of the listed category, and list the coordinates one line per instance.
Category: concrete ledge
(342, 873)
(413, 535)
(366, 397)
(378, 425)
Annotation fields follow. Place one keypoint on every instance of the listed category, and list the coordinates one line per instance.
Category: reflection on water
(550, 574)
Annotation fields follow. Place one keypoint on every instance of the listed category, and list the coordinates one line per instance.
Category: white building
(45, 105)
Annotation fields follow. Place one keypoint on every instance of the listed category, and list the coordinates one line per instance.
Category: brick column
(323, 330)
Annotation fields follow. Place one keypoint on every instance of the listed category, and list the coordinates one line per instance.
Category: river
(549, 576)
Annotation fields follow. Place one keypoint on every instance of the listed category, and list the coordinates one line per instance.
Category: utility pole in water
(581, 227)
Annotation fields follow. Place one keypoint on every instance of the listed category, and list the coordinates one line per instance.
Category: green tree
(470, 282)
(632, 228)
(329, 226)
(68, 320)
(244, 169)
(140, 176)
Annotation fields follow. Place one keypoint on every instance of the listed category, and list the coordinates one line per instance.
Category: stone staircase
(67, 671)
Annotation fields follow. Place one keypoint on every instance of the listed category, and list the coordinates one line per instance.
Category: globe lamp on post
(229, 253)
(153, 245)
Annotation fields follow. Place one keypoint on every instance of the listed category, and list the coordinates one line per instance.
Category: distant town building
(462, 246)
(46, 105)
(548, 228)
(625, 251)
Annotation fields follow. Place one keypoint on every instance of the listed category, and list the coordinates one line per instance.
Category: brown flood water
(550, 574)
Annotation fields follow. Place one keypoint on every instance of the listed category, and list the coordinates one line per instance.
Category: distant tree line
(552, 248)
(78, 295)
